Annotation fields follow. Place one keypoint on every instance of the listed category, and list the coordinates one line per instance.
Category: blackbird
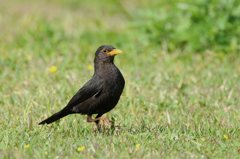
(101, 93)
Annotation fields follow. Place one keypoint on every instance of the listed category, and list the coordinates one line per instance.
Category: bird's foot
(90, 119)
(103, 124)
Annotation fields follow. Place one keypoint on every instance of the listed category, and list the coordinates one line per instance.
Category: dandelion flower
(90, 67)
(80, 148)
(26, 146)
(226, 137)
(137, 146)
(52, 69)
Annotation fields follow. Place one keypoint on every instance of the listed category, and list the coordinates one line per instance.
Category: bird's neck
(103, 67)
(106, 59)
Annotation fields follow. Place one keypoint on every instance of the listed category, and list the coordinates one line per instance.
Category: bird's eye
(104, 51)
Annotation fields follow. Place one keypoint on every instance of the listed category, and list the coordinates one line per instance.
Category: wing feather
(91, 88)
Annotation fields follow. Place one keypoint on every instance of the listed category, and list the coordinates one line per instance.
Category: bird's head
(106, 53)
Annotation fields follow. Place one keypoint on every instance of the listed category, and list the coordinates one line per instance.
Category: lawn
(177, 103)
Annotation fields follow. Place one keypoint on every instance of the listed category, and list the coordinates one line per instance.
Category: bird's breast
(112, 89)
(114, 81)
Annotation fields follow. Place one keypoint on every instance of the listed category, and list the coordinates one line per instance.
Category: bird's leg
(90, 119)
(103, 124)
(99, 118)
(98, 122)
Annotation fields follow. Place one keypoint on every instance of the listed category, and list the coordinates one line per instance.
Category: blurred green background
(192, 26)
(181, 64)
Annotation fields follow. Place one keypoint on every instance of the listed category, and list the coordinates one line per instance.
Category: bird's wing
(92, 88)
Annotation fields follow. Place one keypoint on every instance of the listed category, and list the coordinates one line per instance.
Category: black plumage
(101, 93)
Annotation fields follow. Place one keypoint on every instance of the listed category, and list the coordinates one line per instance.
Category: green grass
(175, 104)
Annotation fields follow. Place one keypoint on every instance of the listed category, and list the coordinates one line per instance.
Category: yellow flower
(52, 69)
(81, 148)
(26, 146)
(90, 67)
(137, 146)
(226, 137)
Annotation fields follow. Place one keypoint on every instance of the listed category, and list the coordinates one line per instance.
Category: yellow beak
(114, 52)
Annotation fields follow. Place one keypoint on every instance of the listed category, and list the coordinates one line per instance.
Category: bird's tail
(55, 117)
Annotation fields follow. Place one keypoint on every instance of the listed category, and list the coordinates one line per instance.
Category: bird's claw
(103, 124)
(90, 119)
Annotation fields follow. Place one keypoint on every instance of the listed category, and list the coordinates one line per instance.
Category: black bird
(101, 93)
